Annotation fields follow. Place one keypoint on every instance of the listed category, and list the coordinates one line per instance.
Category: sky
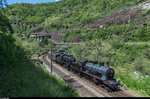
(29, 1)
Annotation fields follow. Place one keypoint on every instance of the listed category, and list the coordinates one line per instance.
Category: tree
(104, 5)
(3, 3)
(3, 22)
(123, 2)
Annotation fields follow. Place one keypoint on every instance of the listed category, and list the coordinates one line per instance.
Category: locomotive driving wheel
(80, 73)
(95, 81)
(108, 89)
(68, 68)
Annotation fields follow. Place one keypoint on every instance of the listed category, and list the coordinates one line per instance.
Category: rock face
(78, 39)
(120, 17)
(57, 37)
(124, 16)
(37, 30)
(146, 6)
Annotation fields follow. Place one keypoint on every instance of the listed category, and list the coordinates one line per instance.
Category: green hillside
(111, 25)
(22, 77)
(80, 16)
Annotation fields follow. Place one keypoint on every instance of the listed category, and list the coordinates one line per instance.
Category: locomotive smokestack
(101, 63)
(107, 64)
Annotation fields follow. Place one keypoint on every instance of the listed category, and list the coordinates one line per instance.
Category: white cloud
(57, 0)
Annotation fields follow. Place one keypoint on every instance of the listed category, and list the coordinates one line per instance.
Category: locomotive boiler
(103, 75)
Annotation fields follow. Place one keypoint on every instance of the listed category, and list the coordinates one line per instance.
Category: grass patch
(32, 80)
(22, 77)
(140, 86)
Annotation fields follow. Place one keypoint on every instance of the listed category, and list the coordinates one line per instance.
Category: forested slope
(79, 17)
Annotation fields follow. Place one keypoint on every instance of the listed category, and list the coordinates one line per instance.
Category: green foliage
(140, 85)
(17, 68)
(70, 35)
(124, 32)
(3, 22)
(68, 14)
(143, 34)
(83, 51)
(44, 42)
(9, 50)
(23, 30)
(125, 59)
(129, 59)
(73, 12)
(35, 19)
(142, 65)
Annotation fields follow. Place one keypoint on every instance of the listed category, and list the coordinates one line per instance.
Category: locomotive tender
(98, 73)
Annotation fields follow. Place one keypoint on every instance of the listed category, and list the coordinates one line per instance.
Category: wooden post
(97, 56)
(51, 57)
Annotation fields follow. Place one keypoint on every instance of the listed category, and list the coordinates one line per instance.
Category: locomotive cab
(77, 65)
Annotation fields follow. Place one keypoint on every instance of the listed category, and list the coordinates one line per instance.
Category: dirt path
(137, 43)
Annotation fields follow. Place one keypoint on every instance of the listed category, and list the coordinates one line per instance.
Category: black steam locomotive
(100, 74)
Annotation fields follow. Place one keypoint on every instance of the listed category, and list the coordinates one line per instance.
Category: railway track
(83, 90)
(83, 86)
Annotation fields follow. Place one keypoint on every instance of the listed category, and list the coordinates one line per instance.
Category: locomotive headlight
(110, 73)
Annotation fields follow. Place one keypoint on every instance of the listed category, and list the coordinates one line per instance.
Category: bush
(3, 22)
(142, 65)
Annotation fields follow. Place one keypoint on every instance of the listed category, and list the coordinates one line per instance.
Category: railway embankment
(83, 86)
